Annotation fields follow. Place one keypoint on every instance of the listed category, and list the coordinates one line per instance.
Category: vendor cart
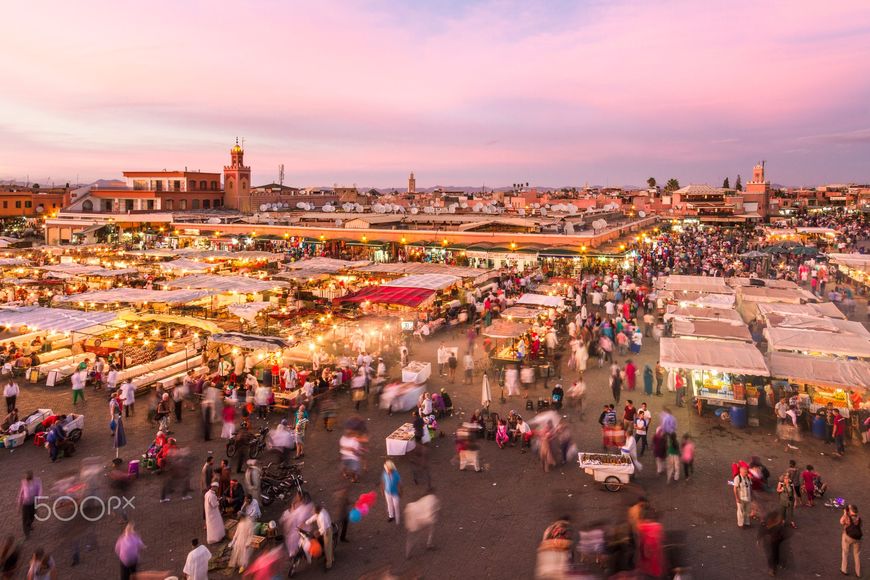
(73, 427)
(613, 471)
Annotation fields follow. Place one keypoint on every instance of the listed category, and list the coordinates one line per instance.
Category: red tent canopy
(411, 297)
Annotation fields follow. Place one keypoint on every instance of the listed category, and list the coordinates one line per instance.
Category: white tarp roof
(787, 295)
(241, 284)
(427, 281)
(541, 300)
(701, 313)
(712, 355)
(249, 310)
(700, 299)
(225, 255)
(837, 344)
(856, 261)
(137, 296)
(184, 265)
(521, 312)
(13, 262)
(817, 370)
(325, 265)
(85, 270)
(54, 319)
(704, 284)
(826, 309)
(820, 323)
(426, 268)
(712, 329)
(251, 341)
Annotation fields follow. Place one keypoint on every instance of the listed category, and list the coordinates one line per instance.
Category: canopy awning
(505, 329)
(185, 266)
(712, 355)
(836, 344)
(820, 371)
(521, 312)
(326, 265)
(541, 300)
(250, 341)
(410, 297)
(249, 310)
(427, 281)
(712, 329)
(200, 323)
(53, 319)
(241, 284)
(85, 270)
(137, 296)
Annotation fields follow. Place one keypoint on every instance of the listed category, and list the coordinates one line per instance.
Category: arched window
(88, 205)
(182, 204)
(192, 186)
(169, 204)
(206, 204)
(214, 185)
(229, 185)
(203, 186)
(194, 204)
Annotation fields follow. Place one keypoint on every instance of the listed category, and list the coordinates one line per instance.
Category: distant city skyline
(461, 93)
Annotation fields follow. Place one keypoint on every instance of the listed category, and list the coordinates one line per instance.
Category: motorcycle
(272, 488)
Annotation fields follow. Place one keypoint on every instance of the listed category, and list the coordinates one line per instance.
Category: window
(168, 204)
(192, 186)
(88, 205)
(206, 204)
(18, 204)
(182, 204)
(107, 205)
(214, 185)
(128, 204)
(217, 203)
(176, 185)
(194, 204)
(53, 205)
(5, 205)
(28, 203)
(149, 204)
(202, 185)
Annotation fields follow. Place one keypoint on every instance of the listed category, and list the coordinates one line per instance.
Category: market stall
(416, 372)
(401, 441)
(718, 373)
(819, 343)
(544, 300)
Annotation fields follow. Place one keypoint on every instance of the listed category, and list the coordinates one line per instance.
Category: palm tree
(672, 184)
(651, 182)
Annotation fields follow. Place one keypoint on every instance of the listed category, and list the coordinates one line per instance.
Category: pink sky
(464, 93)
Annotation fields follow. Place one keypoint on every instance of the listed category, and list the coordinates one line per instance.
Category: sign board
(52, 379)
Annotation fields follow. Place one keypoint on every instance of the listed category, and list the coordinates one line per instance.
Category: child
(501, 436)
(687, 456)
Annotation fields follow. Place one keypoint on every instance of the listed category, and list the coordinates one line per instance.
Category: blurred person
(322, 523)
(420, 518)
(392, 486)
(787, 499)
(241, 542)
(42, 566)
(687, 456)
(252, 479)
(29, 490)
(128, 397)
(11, 392)
(128, 548)
(771, 536)
(10, 558)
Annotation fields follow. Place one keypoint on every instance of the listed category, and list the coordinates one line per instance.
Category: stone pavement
(490, 522)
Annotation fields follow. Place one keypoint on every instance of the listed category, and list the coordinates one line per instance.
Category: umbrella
(486, 392)
(119, 438)
(546, 417)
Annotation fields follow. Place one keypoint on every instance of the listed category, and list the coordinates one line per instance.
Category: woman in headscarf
(648, 377)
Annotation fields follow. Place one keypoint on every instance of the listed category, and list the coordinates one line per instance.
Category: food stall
(401, 441)
(417, 372)
(401, 396)
(718, 373)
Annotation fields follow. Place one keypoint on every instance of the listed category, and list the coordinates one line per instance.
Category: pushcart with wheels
(613, 471)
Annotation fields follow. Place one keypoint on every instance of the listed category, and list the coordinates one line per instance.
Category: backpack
(853, 529)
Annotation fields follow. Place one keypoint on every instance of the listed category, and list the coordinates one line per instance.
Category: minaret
(237, 181)
(412, 184)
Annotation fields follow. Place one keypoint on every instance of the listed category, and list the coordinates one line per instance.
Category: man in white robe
(196, 565)
(214, 522)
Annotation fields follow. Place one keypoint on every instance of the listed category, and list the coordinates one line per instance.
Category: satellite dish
(348, 207)
(214, 220)
(378, 208)
(358, 208)
(328, 208)
(300, 205)
(414, 211)
(285, 204)
(641, 214)
(264, 207)
(339, 223)
(463, 205)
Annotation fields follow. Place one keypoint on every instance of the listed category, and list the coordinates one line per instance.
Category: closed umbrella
(486, 392)
(119, 438)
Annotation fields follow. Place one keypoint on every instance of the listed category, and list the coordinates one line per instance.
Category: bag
(853, 530)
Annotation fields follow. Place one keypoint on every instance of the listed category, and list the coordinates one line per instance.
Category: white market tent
(241, 284)
(803, 322)
(325, 265)
(521, 313)
(477, 274)
(505, 329)
(137, 296)
(786, 295)
(712, 355)
(185, 266)
(700, 284)
(820, 371)
(55, 319)
(427, 281)
(712, 329)
(811, 341)
(249, 341)
(825, 309)
(541, 300)
(248, 310)
(14, 262)
(701, 313)
(68, 270)
(855, 261)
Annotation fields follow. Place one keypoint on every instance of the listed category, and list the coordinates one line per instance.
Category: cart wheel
(231, 448)
(75, 435)
(612, 483)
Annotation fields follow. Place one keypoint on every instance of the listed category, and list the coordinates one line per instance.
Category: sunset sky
(461, 92)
